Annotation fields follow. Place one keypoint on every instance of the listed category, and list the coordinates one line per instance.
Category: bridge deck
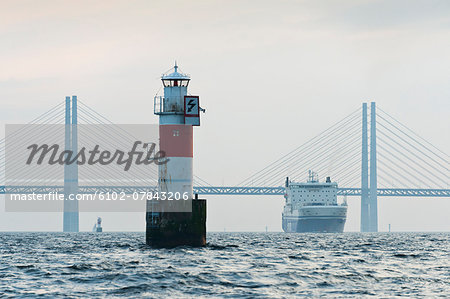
(202, 190)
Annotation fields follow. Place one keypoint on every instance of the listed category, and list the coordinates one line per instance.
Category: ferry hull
(313, 225)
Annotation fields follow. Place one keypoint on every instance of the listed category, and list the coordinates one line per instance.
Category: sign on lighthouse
(191, 110)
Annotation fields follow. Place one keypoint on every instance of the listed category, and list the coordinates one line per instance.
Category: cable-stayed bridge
(369, 153)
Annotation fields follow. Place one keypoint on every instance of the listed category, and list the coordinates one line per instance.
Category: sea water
(248, 265)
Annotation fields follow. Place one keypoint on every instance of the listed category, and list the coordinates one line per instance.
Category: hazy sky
(271, 75)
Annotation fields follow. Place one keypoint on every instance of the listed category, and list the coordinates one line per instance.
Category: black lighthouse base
(172, 229)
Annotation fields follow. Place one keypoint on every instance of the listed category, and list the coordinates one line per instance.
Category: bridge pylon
(71, 213)
(369, 200)
(364, 173)
(373, 202)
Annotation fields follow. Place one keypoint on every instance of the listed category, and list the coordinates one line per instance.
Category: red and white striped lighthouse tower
(178, 113)
(176, 137)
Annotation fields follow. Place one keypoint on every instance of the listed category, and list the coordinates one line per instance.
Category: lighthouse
(182, 220)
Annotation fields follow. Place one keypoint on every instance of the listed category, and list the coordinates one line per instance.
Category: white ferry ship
(313, 207)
